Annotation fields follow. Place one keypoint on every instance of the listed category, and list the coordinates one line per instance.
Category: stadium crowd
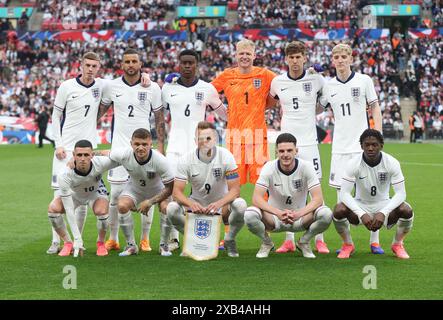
(97, 14)
(32, 71)
(301, 13)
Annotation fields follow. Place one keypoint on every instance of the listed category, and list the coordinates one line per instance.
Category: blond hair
(245, 43)
(342, 47)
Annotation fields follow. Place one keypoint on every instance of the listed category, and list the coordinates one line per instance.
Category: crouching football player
(81, 185)
(373, 173)
(288, 181)
(212, 173)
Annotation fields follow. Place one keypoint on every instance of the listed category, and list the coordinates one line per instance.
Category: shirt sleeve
(164, 94)
(64, 185)
(231, 170)
(164, 169)
(117, 155)
(213, 98)
(264, 179)
(61, 97)
(396, 175)
(323, 100)
(371, 95)
(269, 77)
(219, 82)
(311, 177)
(156, 97)
(107, 90)
(273, 90)
(182, 169)
(105, 163)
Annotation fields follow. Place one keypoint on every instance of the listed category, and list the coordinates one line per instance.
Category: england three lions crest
(382, 177)
(217, 173)
(355, 93)
(202, 228)
(297, 184)
(199, 96)
(256, 83)
(142, 97)
(96, 93)
(307, 87)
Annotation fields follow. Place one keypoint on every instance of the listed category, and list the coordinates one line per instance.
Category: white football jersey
(148, 177)
(187, 106)
(79, 104)
(73, 183)
(298, 99)
(372, 184)
(288, 190)
(348, 101)
(208, 180)
(132, 108)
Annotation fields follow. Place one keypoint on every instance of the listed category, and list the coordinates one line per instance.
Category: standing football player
(297, 92)
(132, 106)
(349, 94)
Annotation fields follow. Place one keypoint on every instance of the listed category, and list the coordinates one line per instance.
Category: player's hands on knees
(377, 222)
(213, 208)
(144, 207)
(145, 80)
(197, 208)
(60, 153)
(367, 221)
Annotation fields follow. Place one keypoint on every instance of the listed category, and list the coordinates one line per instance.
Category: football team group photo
(255, 150)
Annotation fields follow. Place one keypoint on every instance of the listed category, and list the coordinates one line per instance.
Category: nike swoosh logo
(277, 185)
(333, 95)
(361, 177)
(173, 95)
(232, 83)
(118, 95)
(283, 89)
(73, 97)
(194, 175)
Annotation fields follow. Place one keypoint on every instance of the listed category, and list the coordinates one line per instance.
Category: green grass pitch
(27, 272)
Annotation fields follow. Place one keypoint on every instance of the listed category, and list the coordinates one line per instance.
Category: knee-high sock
(176, 216)
(165, 228)
(236, 218)
(403, 227)
(80, 216)
(374, 237)
(322, 220)
(146, 222)
(174, 234)
(343, 228)
(55, 236)
(253, 221)
(116, 190)
(59, 226)
(102, 227)
(127, 224)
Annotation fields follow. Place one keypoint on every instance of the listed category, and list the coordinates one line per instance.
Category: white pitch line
(423, 164)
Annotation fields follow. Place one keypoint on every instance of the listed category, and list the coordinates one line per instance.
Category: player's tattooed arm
(163, 195)
(160, 129)
(102, 109)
